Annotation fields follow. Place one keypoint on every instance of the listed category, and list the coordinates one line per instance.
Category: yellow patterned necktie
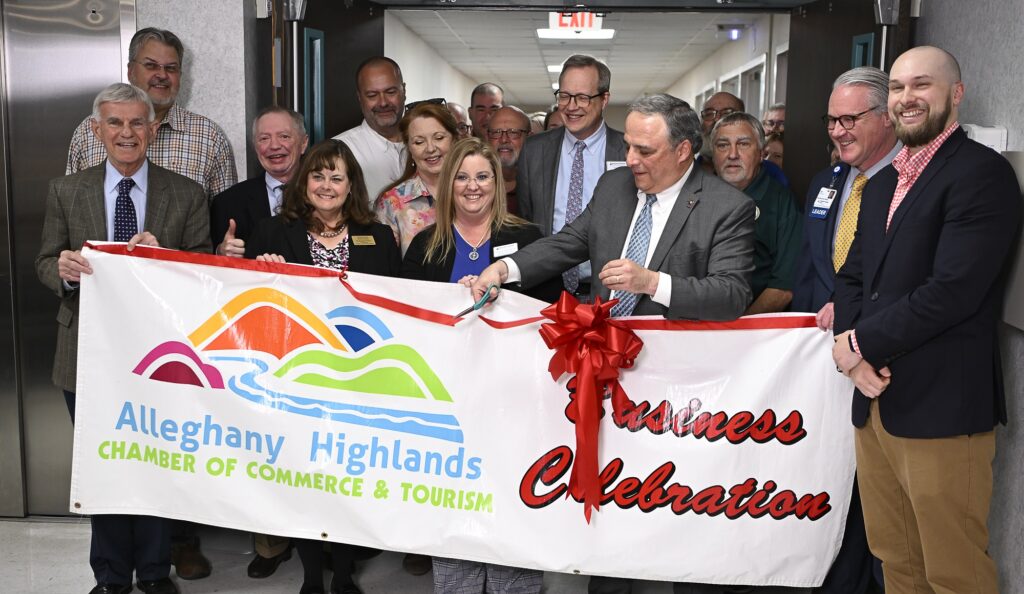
(848, 222)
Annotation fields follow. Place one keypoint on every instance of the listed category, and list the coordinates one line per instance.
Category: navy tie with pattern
(573, 208)
(639, 241)
(126, 223)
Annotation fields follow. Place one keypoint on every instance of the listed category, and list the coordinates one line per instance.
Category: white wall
(988, 44)
(427, 74)
(754, 43)
(214, 82)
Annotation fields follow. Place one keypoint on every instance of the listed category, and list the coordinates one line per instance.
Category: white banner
(274, 399)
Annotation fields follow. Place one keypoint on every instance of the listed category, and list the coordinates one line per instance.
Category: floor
(32, 551)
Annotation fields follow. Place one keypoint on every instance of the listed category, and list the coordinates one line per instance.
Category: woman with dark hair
(326, 221)
(428, 130)
(472, 223)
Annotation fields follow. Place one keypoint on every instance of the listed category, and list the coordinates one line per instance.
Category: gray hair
(874, 80)
(739, 117)
(122, 93)
(298, 122)
(604, 74)
(777, 107)
(683, 123)
(153, 34)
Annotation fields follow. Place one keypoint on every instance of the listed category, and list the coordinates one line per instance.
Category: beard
(926, 131)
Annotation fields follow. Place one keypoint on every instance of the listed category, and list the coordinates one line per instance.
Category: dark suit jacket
(176, 214)
(815, 275)
(288, 238)
(925, 296)
(246, 202)
(707, 246)
(415, 266)
(537, 175)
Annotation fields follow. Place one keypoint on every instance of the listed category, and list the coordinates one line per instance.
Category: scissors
(483, 301)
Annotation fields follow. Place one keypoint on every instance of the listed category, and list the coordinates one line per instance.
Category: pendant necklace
(474, 255)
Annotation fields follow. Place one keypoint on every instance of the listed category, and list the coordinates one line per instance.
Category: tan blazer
(176, 214)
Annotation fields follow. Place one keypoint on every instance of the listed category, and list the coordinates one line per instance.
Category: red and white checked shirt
(909, 167)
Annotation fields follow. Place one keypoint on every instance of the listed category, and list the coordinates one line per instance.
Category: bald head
(461, 119)
(925, 92)
(507, 131)
(717, 107)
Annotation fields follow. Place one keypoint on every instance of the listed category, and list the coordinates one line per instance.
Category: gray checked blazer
(176, 214)
(707, 246)
(537, 173)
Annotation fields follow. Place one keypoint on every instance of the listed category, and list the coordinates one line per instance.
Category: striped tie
(848, 222)
(637, 252)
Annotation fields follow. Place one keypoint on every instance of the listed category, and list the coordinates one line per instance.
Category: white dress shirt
(381, 160)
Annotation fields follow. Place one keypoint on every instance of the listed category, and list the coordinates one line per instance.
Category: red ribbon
(593, 347)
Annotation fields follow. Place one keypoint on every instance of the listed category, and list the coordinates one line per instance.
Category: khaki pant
(926, 505)
(268, 545)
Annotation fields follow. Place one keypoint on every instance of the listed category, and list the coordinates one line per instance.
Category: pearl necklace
(473, 254)
(332, 234)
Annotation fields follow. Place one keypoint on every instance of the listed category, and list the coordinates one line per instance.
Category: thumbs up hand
(231, 246)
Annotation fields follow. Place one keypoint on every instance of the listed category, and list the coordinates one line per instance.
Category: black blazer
(415, 267)
(288, 238)
(925, 296)
(246, 202)
(815, 274)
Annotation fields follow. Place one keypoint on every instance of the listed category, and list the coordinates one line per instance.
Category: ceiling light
(569, 34)
(732, 31)
(554, 86)
(555, 68)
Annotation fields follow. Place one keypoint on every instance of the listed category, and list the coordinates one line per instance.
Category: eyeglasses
(512, 133)
(773, 123)
(846, 121)
(581, 99)
(464, 128)
(482, 179)
(150, 66)
(714, 114)
(436, 101)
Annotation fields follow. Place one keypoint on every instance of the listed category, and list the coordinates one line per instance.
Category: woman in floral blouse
(428, 130)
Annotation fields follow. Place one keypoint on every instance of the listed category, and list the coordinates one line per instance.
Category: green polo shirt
(776, 235)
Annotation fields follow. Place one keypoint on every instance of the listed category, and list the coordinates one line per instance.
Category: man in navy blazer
(546, 165)
(916, 307)
(859, 126)
(279, 139)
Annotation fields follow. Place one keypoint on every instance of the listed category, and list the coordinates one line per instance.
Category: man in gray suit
(663, 235)
(559, 169)
(125, 198)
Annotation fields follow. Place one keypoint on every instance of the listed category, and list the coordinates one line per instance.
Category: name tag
(822, 203)
(505, 250)
(609, 165)
(362, 240)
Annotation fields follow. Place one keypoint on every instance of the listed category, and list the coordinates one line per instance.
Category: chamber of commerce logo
(268, 348)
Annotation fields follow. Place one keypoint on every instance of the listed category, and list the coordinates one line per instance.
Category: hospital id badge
(823, 202)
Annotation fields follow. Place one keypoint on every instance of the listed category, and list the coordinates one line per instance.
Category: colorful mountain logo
(344, 366)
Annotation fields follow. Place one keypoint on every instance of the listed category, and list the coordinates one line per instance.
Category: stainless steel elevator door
(58, 54)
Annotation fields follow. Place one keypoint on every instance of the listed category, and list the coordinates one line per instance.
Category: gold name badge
(363, 240)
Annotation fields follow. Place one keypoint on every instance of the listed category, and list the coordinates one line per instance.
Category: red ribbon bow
(593, 347)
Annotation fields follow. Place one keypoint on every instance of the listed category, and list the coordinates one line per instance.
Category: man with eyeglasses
(859, 126)
(559, 169)
(506, 132)
(715, 108)
(377, 142)
(485, 101)
(462, 119)
(774, 119)
(186, 143)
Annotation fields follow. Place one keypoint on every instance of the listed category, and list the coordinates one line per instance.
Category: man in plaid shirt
(186, 143)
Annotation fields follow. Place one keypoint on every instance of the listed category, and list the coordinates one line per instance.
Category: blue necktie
(126, 223)
(573, 208)
(639, 241)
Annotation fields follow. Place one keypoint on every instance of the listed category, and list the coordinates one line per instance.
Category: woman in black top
(473, 226)
(326, 221)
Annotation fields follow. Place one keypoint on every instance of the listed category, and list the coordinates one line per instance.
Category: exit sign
(574, 21)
